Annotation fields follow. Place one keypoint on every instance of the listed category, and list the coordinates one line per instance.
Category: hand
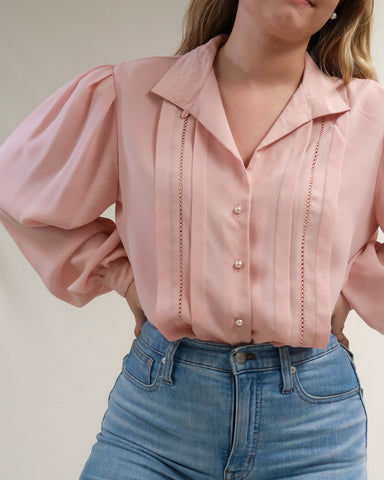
(339, 315)
(135, 305)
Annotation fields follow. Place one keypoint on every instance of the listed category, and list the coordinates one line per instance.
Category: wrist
(346, 302)
(129, 286)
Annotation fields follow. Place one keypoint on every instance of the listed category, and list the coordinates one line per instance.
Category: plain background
(57, 362)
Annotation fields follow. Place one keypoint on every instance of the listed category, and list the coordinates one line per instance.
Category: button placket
(238, 264)
(239, 211)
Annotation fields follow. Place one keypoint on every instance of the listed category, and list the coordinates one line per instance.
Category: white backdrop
(58, 363)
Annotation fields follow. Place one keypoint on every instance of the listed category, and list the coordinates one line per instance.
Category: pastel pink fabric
(219, 252)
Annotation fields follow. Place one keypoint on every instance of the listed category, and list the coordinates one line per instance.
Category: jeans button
(240, 357)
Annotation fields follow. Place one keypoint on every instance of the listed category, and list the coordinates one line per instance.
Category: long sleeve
(58, 174)
(364, 288)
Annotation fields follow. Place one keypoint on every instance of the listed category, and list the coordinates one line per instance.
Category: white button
(237, 209)
(163, 360)
(239, 322)
(293, 369)
(238, 264)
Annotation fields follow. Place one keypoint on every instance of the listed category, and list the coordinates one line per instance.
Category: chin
(291, 26)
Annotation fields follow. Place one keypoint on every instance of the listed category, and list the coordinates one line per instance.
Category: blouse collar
(190, 83)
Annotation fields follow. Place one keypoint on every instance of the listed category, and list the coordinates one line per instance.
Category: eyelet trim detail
(303, 237)
(184, 115)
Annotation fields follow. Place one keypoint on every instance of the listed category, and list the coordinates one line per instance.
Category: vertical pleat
(307, 232)
(285, 241)
(168, 144)
(162, 215)
(334, 161)
(199, 234)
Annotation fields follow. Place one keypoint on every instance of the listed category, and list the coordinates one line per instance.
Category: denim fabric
(195, 410)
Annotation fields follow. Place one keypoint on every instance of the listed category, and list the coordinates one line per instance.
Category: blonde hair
(342, 48)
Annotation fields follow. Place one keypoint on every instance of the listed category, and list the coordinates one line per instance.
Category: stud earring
(334, 16)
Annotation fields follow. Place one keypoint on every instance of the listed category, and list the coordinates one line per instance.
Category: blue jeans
(195, 410)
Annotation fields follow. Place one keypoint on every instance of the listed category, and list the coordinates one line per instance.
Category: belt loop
(168, 361)
(286, 372)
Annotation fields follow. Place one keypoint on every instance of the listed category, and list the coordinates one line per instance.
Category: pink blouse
(218, 251)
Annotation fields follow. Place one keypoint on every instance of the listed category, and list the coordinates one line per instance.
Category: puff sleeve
(58, 173)
(364, 288)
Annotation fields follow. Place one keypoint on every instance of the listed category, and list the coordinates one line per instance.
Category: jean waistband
(227, 357)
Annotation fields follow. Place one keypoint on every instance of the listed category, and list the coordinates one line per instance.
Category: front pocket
(349, 352)
(141, 367)
(326, 378)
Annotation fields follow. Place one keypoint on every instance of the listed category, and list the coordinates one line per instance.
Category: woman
(239, 242)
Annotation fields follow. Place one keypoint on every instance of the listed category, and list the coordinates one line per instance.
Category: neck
(251, 56)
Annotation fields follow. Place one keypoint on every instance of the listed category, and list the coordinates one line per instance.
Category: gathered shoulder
(92, 76)
(366, 95)
(153, 62)
(143, 73)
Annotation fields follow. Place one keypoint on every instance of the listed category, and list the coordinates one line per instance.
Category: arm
(339, 316)
(58, 173)
(364, 288)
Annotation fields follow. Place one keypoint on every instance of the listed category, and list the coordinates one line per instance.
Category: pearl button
(238, 264)
(239, 322)
(237, 209)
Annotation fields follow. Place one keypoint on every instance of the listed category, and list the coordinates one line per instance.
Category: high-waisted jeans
(195, 410)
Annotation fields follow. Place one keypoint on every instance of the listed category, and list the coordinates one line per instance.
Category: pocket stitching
(130, 377)
(143, 357)
(349, 352)
(324, 399)
(148, 387)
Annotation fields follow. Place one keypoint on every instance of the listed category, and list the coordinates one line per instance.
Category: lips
(308, 3)
(305, 3)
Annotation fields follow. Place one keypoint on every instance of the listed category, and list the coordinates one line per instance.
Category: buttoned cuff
(119, 276)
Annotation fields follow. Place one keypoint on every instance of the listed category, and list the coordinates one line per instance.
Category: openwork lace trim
(303, 236)
(180, 183)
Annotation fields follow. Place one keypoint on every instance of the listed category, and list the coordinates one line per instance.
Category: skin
(135, 305)
(339, 316)
(273, 34)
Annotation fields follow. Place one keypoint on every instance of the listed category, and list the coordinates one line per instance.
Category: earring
(334, 16)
